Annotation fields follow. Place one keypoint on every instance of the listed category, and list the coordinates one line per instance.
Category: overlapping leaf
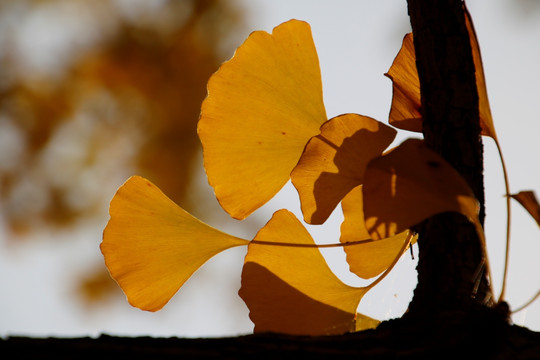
(333, 162)
(291, 289)
(261, 120)
(405, 110)
(262, 107)
(406, 103)
(367, 258)
(152, 246)
(486, 120)
(412, 183)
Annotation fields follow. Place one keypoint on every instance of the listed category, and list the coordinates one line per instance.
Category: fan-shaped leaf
(405, 109)
(406, 103)
(291, 289)
(152, 246)
(262, 107)
(353, 227)
(368, 258)
(334, 162)
(410, 184)
(486, 120)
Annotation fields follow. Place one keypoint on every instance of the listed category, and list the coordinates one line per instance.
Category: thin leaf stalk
(508, 221)
(522, 307)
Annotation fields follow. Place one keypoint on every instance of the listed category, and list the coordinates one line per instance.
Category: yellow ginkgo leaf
(262, 107)
(364, 322)
(412, 183)
(353, 227)
(528, 200)
(152, 246)
(405, 110)
(291, 289)
(486, 120)
(366, 257)
(333, 162)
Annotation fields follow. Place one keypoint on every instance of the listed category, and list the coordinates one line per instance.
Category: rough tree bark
(451, 270)
(452, 312)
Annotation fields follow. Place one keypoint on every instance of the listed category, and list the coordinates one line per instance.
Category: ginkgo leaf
(152, 246)
(528, 200)
(291, 289)
(412, 183)
(405, 110)
(333, 162)
(486, 120)
(353, 227)
(276, 306)
(364, 322)
(367, 258)
(263, 106)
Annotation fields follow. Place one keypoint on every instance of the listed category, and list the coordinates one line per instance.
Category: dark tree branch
(451, 271)
(475, 337)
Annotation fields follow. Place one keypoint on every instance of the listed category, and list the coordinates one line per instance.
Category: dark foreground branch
(452, 335)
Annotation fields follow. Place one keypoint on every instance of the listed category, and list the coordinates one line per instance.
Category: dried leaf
(412, 183)
(334, 162)
(152, 246)
(291, 289)
(528, 200)
(262, 107)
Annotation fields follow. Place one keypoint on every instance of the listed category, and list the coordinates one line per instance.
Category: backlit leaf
(528, 200)
(152, 246)
(291, 289)
(486, 120)
(405, 110)
(353, 227)
(412, 183)
(364, 322)
(370, 257)
(333, 162)
(262, 107)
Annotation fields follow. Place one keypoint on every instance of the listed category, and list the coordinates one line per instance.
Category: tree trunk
(451, 313)
(451, 271)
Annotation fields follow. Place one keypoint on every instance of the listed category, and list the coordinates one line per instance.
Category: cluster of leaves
(263, 123)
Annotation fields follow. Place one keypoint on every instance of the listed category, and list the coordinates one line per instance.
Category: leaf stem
(527, 303)
(508, 220)
(485, 259)
(318, 246)
(406, 244)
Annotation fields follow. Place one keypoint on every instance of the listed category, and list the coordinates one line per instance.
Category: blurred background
(92, 92)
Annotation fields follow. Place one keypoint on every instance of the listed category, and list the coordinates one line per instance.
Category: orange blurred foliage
(91, 92)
